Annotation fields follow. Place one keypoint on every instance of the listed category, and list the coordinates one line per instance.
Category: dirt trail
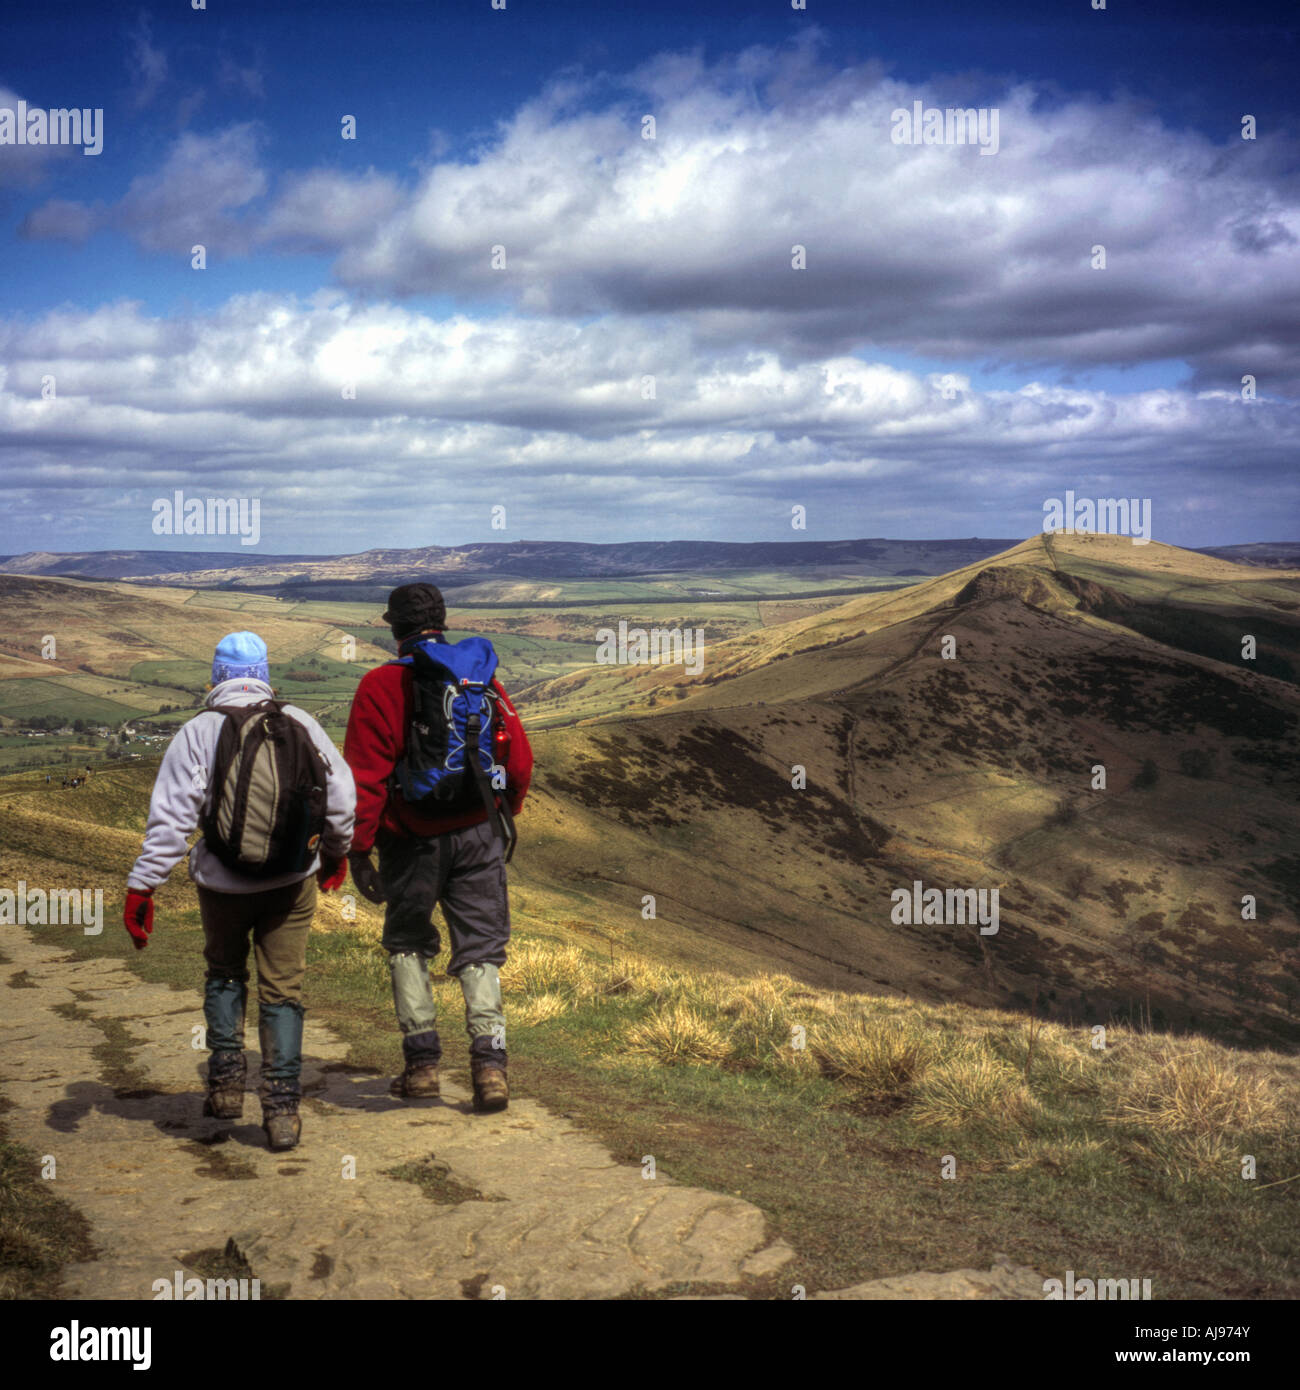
(524, 1206)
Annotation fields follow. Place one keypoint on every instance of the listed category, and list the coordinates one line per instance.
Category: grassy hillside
(107, 653)
(120, 650)
(1171, 593)
(970, 772)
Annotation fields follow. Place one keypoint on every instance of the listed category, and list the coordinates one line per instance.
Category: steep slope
(969, 772)
(1178, 597)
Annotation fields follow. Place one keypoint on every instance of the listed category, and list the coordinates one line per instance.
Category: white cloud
(670, 258)
(452, 415)
(324, 208)
(195, 198)
(933, 249)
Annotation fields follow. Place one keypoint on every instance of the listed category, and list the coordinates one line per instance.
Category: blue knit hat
(240, 654)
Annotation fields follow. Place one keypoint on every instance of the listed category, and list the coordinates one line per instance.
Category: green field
(26, 697)
(344, 614)
(523, 658)
(736, 584)
(528, 659)
(550, 632)
(174, 716)
(327, 698)
(52, 751)
(184, 677)
(239, 601)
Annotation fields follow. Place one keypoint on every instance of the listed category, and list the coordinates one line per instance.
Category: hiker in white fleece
(276, 802)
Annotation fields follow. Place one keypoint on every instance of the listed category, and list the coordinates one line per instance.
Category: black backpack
(267, 811)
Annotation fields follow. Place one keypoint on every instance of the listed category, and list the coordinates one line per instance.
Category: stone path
(525, 1206)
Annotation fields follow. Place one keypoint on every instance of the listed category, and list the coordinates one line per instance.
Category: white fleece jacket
(181, 794)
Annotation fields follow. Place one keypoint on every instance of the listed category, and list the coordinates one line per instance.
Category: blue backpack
(456, 731)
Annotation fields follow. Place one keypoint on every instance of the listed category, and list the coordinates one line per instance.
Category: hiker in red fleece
(443, 830)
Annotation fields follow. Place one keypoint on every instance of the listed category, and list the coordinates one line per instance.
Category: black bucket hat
(414, 607)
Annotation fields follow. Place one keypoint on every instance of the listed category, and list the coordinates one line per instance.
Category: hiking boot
(491, 1091)
(280, 1031)
(224, 1103)
(418, 1082)
(421, 1052)
(282, 1131)
(280, 1095)
(226, 1071)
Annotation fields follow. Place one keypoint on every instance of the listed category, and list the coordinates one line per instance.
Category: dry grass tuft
(972, 1089)
(880, 1057)
(1201, 1090)
(676, 1035)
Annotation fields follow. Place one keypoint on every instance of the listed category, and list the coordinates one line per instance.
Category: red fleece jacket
(376, 740)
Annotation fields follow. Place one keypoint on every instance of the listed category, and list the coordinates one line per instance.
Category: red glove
(331, 874)
(138, 915)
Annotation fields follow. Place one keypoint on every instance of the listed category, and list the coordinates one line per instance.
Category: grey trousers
(463, 871)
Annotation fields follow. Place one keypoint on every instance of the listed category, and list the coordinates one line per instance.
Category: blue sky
(947, 360)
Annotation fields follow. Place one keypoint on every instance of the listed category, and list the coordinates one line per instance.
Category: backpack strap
(503, 823)
(422, 665)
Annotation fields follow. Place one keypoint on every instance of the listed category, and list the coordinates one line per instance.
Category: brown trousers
(277, 921)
